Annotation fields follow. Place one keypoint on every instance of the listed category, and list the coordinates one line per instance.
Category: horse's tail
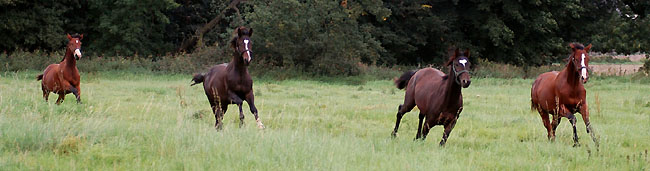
(198, 78)
(403, 80)
(39, 77)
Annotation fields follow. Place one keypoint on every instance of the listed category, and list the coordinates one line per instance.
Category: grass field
(158, 122)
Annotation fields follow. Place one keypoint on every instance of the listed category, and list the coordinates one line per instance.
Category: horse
(437, 95)
(63, 78)
(230, 83)
(562, 94)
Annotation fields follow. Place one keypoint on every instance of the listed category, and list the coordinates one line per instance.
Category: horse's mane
(233, 41)
(76, 35)
(451, 60)
(578, 46)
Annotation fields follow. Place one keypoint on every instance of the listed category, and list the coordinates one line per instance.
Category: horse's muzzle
(465, 83)
(77, 54)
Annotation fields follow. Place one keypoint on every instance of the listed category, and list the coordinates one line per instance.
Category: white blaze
(248, 52)
(77, 52)
(462, 61)
(584, 67)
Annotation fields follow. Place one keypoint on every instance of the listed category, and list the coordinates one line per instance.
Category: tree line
(332, 37)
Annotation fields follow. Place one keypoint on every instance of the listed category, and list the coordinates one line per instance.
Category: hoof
(259, 124)
(394, 134)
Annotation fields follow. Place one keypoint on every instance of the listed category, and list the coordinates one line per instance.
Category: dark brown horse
(437, 95)
(230, 83)
(63, 78)
(562, 94)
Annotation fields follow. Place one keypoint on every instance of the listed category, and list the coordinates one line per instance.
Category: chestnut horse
(230, 83)
(63, 78)
(562, 94)
(437, 95)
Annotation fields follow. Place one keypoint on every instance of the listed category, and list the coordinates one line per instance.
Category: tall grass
(150, 121)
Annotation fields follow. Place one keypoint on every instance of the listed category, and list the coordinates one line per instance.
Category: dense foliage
(334, 37)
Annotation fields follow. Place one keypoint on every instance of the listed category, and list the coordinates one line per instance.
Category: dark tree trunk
(196, 41)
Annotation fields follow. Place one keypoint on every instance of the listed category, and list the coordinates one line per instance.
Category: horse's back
(429, 74)
(215, 71)
(424, 84)
(543, 90)
(213, 80)
(50, 74)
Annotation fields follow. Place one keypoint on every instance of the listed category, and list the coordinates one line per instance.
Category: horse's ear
(588, 48)
(573, 46)
(250, 32)
(467, 53)
(81, 37)
(456, 53)
(238, 31)
(69, 37)
(452, 57)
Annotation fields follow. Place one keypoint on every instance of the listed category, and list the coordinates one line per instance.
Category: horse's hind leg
(46, 94)
(556, 121)
(409, 104)
(218, 115)
(547, 125)
(572, 119)
(419, 134)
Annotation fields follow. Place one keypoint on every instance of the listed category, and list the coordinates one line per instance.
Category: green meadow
(158, 122)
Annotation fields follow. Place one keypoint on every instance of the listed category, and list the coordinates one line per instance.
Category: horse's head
(74, 45)
(580, 60)
(460, 67)
(242, 43)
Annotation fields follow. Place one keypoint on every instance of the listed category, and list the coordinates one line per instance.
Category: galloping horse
(437, 95)
(63, 78)
(562, 93)
(230, 83)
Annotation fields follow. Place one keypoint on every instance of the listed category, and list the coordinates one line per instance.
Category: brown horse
(63, 78)
(437, 95)
(230, 83)
(562, 93)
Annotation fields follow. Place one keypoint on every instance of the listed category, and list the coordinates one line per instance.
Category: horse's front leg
(234, 99)
(584, 111)
(448, 127)
(76, 90)
(60, 99)
(572, 119)
(250, 99)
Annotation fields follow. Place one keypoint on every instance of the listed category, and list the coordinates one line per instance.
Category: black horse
(230, 83)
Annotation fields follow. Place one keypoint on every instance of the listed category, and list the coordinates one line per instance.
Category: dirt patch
(614, 69)
(633, 58)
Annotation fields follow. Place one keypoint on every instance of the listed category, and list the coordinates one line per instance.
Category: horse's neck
(452, 89)
(570, 75)
(68, 59)
(237, 64)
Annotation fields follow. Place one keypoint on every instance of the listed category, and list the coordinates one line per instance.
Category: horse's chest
(239, 85)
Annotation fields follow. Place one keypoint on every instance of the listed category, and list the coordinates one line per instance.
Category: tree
(319, 36)
(128, 27)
